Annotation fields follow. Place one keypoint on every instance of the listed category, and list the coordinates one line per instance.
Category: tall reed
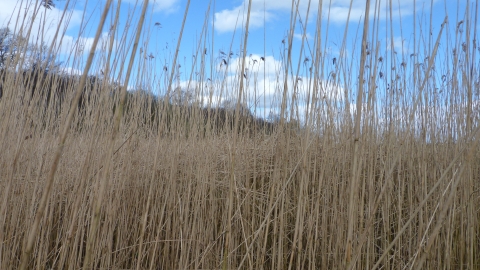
(372, 163)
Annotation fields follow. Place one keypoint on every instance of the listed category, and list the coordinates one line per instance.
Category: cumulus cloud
(339, 9)
(399, 45)
(83, 45)
(300, 36)
(263, 87)
(46, 19)
(160, 5)
(269, 10)
(45, 24)
(269, 66)
(229, 19)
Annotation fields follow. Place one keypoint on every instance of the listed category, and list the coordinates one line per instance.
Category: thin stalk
(228, 240)
(28, 248)
(118, 115)
(355, 180)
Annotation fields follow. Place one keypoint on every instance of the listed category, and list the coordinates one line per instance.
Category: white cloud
(269, 10)
(300, 36)
(83, 45)
(270, 66)
(400, 45)
(45, 24)
(6, 12)
(165, 5)
(340, 8)
(48, 19)
(339, 14)
(228, 20)
(159, 5)
(263, 86)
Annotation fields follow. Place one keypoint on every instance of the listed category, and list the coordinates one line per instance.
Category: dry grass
(180, 186)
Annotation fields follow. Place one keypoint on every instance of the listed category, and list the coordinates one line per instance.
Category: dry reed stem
(27, 250)
(192, 187)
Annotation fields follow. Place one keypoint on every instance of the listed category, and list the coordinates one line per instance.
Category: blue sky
(269, 26)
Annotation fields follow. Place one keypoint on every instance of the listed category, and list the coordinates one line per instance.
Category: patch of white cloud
(301, 36)
(339, 11)
(44, 27)
(263, 87)
(399, 45)
(45, 23)
(262, 11)
(166, 6)
(229, 19)
(83, 45)
(269, 66)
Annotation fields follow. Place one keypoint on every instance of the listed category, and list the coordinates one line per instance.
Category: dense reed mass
(176, 182)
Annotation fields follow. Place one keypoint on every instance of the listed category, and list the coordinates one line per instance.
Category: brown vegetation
(185, 186)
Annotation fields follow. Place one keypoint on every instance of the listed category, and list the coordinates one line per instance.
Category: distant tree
(39, 58)
(231, 105)
(179, 96)
(36, 56)
(10, 45)
(273, 117)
